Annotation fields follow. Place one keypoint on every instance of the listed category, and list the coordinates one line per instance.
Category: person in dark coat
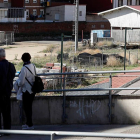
(7, 74)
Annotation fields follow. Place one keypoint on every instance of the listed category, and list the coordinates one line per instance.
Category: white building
(124, 17)
(118, 3)
(65, 13)
(12, 15)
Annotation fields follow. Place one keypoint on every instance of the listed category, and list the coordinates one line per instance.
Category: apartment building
(12, 11)
(37, 8)
(118, 3)
(34, 8)
(5, 3)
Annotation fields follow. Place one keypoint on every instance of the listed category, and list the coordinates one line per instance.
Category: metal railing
(52, 134)
(63, 90)
(110, 89)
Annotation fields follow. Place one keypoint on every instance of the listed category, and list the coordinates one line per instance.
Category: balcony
(12, 15)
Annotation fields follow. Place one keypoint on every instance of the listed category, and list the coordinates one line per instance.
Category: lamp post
(76, 24)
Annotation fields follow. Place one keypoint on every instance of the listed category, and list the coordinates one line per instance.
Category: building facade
(37, 8)
(65, 13)
(118, 3)
(17, 3)
(5, 3)
(95, 6)
(12, 11)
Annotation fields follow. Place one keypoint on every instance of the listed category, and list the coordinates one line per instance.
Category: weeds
(16, 55)
(49, 49)
(104, 44)
(91, 51)
(133, 58)
(113, 62)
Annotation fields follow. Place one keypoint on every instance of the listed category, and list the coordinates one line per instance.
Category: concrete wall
(65, 12)
(82, 110)
(51, 11)
(95, 18)
(70, 13)
(132, 35)
(126, 109)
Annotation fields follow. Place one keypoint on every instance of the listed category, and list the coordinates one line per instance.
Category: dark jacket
(7, 74)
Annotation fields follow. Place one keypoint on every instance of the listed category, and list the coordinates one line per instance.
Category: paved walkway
(122, 79)
(124, 129)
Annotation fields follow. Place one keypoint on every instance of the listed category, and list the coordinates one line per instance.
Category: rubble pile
(53, 81)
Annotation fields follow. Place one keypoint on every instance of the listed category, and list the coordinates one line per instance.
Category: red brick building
(95, 6)
(17, 3)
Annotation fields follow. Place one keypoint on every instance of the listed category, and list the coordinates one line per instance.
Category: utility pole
(76, 24)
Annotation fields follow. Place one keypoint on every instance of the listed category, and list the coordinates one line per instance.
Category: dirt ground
(16, 50)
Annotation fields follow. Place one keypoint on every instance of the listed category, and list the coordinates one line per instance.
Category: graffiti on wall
(86, 107)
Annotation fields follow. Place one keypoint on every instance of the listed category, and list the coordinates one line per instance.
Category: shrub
(104, 44)
(69, 43)
(49, 49)
(113, 62)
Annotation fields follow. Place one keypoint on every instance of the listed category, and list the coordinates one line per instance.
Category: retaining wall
(82, 110)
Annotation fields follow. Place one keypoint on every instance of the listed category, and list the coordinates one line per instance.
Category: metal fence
(63, 77)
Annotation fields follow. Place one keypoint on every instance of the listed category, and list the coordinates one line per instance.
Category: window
(41, 1)
(129, 2)
(138, 2)
(57, 17)
(5, 13)
(26, 1)
(34, 1)
(34, 12)
(93, 26)
(27, 13)
(42, 12)
(80, 13)
(120, 3)
(102, 26)
(5, 1)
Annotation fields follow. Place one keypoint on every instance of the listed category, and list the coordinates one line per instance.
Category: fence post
(64, 101)
(137, 58)
(52, 136)
(129, 58)
(6, 40)
(110, 99)
(102, 59)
